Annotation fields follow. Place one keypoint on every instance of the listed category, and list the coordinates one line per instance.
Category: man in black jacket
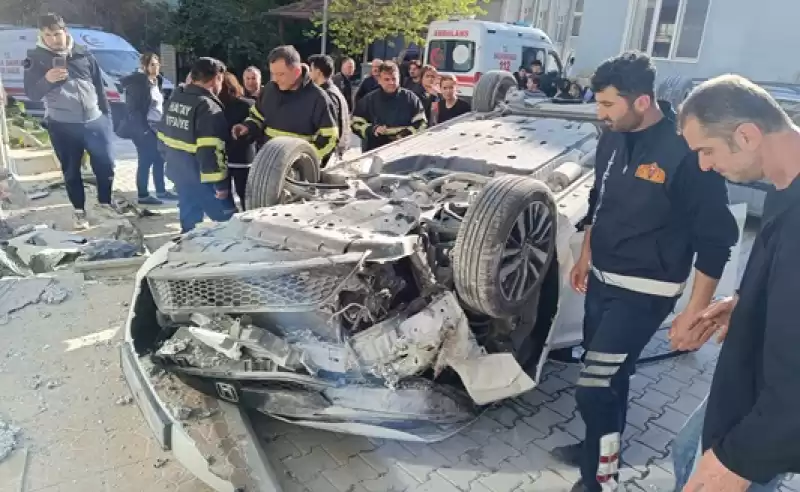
(321, 72)
(651, 210)
(751, 430)
(291, 104)
(344, 81)
(388, 114)
(369, 83)
(68, 78)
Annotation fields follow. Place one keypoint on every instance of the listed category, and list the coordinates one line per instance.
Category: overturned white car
(395, 295)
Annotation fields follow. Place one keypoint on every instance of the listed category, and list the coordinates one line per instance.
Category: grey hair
(253, 69)
(724, 103)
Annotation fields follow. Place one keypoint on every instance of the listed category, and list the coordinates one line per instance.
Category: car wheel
(492, 88)
(278, 159)
(505, 246)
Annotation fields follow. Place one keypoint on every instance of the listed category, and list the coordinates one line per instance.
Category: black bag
(125, 128)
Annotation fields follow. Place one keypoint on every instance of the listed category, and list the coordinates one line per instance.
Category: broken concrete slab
(8, 439)
(17, 293)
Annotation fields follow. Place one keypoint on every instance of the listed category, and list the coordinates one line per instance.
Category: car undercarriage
(395, 296)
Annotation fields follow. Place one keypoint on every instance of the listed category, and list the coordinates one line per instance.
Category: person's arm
(255, 120)
(97, 80)
(361, 123)
(211, 131)
(327, 133)
(35, 83)
(703, 196)
(764, 444)
(418, 121)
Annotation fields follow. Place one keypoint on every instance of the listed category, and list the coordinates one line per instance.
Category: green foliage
(236, 31)
(355, 24)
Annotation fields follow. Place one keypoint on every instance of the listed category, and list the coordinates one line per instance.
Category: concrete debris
(17, 293)
(54, 383)
(40, 248)
(161, 463)
(9, 435)
(124, 400)
(182, 412)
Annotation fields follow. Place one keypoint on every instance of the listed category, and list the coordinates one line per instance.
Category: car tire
(491, 89)
(279, 158)
(510, 213)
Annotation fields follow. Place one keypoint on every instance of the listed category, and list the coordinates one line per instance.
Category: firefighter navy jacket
(652, 208)
(193, 132)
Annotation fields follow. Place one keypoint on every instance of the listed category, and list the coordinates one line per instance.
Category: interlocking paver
(686, 403)
(671, 420)
(639, 415)
(655, 438)
(654, 399)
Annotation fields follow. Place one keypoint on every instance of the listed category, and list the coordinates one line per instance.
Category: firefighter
(292, 105)
(193, 132)
(390, 113)
(652, 211)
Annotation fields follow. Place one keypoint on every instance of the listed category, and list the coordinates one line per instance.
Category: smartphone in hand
(59, 62)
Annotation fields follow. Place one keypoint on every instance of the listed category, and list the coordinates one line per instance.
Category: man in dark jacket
(369, 84)
(69, 80)
(291, 104)
(751, 429)
(193, 133)
(651, 211)
(344, 81)
(390, 113)
(321, 72)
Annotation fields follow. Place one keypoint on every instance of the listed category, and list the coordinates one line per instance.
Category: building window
(577, 18)
(668, 29)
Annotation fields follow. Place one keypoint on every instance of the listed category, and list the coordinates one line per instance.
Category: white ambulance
(116, 57)
(468, 48)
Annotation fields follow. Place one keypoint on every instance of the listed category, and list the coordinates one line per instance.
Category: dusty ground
(60, 382)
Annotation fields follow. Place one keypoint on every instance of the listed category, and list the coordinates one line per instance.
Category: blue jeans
(196, 199)
(687, 448)
(149, 158)
(69, 141)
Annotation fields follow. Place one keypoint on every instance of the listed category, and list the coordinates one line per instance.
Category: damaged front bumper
(217, 445)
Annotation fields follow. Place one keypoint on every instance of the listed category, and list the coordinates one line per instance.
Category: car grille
(295, 291)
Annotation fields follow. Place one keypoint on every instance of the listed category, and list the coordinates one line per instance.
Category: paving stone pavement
(506, 450)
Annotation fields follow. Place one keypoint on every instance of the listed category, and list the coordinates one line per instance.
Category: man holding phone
(67, 77)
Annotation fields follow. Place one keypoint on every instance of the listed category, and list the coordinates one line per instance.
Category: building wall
(755, 39)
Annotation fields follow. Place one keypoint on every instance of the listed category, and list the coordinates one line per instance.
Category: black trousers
(617, 325)
(237, 177)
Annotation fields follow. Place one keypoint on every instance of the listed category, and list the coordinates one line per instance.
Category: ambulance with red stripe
(468, 48)
(116, 57)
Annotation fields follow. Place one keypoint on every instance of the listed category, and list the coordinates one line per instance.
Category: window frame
(633, 5)
(577, 16)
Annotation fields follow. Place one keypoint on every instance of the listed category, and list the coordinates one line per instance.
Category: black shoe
(568, 455)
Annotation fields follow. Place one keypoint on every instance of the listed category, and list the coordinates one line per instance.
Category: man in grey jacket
(69, 80)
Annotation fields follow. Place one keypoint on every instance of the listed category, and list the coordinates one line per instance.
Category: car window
(117, 63)
(451, 55)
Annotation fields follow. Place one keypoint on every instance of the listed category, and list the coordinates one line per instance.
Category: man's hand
(222, 194)
(380, 130)
(579, 276)
(691, 330)
(239, 130)
(56, 75)
(712, 476)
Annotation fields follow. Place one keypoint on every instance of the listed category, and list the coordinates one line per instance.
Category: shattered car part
(396, 298)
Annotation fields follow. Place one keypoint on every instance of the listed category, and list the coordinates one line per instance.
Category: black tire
(491, 89)
(487, 234)
(273, 163)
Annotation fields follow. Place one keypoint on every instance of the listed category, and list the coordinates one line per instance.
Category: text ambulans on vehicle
(469, 48)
